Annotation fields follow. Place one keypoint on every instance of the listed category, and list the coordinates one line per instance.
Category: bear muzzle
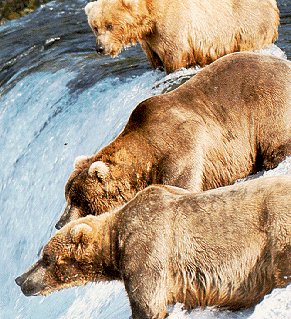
(70, 213)
(19, 280)
(31, 282)
(28, 287)
(60, 224)
(66, 217)
(100, 49)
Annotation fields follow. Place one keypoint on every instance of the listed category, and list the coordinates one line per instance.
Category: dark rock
(13, 9)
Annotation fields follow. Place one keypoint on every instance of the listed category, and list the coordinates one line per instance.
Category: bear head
(118, 23)
(91, 190)
(72, 257)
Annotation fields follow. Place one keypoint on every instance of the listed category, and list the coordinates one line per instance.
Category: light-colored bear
(226, 247)
(176, 34)
(230, 120)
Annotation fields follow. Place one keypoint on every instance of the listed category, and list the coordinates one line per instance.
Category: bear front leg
(147, 296)
(154, 59)
(142, 311)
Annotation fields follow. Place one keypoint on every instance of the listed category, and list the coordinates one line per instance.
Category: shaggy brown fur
(226, 247)
(177, 34)
(230, 120)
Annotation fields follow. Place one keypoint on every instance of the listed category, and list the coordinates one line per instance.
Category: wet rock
(13, 9)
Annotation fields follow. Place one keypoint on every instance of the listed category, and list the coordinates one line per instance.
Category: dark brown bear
(230, 120)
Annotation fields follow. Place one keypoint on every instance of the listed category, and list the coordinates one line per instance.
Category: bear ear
(81, 233)
(80, 161)
(89, 7)
(100, 169)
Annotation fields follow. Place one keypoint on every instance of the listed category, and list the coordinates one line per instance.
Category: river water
(59, 100)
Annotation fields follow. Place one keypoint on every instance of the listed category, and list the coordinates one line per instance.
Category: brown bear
(226, 247)
(230, 120)
(176, 34)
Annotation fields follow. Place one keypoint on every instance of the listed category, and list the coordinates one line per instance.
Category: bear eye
(109, 26)
(46, 260)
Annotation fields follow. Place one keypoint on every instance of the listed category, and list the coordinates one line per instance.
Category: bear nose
(59, 225)
(99, 49)
(30, 288)
(19, 280)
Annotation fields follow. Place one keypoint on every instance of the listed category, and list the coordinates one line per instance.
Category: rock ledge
(13, 9)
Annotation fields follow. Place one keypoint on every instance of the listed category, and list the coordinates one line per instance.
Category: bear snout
(59, 225)
(31, 282)
(28, 286)
(70, 213)
(100, 48)
(19, 280)
(66, 217)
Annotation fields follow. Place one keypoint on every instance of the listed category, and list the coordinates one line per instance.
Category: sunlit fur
(129, 24)
(176, 34)
(230, 120)
(70, 259)
(226, 247)
(80, 161)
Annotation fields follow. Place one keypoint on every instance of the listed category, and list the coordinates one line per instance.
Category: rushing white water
(57, 101)
(44, 131)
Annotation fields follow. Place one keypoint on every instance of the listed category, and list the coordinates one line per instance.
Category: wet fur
(229, 121)
(226, 247)
(175, 35)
